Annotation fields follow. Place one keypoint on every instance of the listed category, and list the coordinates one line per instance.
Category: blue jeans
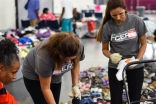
(67, 25)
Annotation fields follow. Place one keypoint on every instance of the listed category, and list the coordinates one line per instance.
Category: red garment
(91, 26)
(48, 16)
(5, 96)
(15, 40)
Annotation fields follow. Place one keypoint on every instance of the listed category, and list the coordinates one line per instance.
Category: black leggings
(34, 89)
(134, 78)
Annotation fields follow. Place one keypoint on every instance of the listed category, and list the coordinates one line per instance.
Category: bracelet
(75, 85)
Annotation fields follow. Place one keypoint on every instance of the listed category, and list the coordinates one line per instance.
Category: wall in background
(149, 4)
(22, 13)
(7, 14)
(80, 5)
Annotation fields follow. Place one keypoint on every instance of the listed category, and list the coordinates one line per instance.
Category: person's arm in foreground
(105, 49)
(142, 47)
(45, 87)
(75, 74)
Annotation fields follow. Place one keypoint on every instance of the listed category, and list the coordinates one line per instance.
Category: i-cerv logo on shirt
(130, 34)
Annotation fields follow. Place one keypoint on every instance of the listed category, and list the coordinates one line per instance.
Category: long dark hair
(111, 4)
(65, 44)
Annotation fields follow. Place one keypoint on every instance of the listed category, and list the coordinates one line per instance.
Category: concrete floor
(152, 17)
(93, 57)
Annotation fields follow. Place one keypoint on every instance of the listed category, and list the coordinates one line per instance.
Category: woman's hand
(115, 58)
(75, 79)
(75, 92)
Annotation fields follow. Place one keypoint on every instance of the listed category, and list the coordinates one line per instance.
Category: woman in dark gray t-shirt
(45, 65)
(125, 34)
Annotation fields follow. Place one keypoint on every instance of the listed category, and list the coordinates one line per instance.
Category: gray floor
(93, 57)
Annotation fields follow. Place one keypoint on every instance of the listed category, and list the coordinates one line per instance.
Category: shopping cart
(126, 90)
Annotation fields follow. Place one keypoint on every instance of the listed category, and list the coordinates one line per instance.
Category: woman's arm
(105, 49)
(75, 74)
(142, 47)
(45, 87)
(60, 19)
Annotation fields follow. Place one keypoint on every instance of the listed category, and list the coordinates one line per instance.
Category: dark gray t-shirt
(39, 63)
(124, 38)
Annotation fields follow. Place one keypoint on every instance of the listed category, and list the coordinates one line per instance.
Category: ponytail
(104, 20)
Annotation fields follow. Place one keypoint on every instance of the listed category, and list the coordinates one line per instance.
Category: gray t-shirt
(124, 38)
(39, 63)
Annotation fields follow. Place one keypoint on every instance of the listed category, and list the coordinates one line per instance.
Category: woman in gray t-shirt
(45, 65)
(125, 34)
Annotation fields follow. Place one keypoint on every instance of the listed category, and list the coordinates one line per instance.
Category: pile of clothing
(27, 38)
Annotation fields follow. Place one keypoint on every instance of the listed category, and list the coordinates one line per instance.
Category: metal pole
(16, 14)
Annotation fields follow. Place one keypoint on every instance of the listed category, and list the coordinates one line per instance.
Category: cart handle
(135, 62)
(143, 100)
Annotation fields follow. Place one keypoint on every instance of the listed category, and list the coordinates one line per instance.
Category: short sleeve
(106, 34)
(82, 56)
(43, 68)
(37, 5)
(142, 29)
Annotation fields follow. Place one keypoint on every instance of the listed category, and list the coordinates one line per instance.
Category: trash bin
(141, 10)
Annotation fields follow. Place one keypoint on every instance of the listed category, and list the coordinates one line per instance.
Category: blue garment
(24, 40)
(67, 25)
(32, 7)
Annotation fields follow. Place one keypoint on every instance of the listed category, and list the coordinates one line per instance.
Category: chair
(42, 24)
(99, 15)
(25, 23)
(91, 11)
(53, 24)
(88, 14)
(83, 11)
